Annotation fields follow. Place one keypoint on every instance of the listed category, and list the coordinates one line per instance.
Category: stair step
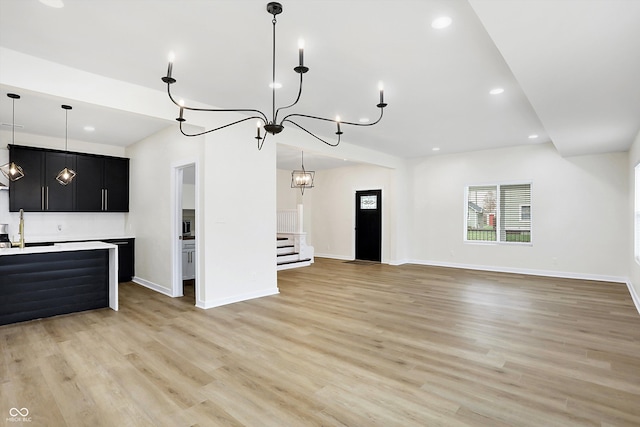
(288, 253)
(294, 264)
(282, 238)
(292, 257)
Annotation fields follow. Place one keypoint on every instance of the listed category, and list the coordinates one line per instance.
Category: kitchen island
(44, 281)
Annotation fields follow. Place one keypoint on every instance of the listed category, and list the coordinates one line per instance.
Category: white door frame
(177, 175)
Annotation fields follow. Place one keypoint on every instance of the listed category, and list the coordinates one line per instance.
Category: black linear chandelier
(271, 126)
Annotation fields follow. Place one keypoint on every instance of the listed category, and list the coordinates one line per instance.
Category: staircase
(291, 241)
(288, 257)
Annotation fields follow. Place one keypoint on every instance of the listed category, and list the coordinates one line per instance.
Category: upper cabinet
(101, 184)
(104, 186)
(38, 190)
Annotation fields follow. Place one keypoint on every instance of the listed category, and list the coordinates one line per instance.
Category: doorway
(369, 225)
(185, 279)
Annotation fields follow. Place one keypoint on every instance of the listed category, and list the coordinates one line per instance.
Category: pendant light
(302, 178)
(11, 170)
(66, 175)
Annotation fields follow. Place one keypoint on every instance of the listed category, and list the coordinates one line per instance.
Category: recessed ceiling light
(89, 128)
(441, 22)
(364, 120)
(275, 85)
(496, 91)
(533, 136)
(53, 3)
(435, 149)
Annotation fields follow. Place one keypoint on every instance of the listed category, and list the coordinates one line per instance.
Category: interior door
(369, 225)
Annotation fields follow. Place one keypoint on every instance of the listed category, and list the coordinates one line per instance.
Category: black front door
(369, 225)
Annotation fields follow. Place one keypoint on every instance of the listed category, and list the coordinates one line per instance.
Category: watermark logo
(18, 415)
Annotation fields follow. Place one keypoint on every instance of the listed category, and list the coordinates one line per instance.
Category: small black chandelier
(11, 170)
(302, 178)
(66, 175)
(271, 126)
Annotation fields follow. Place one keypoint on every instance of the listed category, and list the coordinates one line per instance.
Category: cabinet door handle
(106, 199)
(47, 198)
(42, 198)
(102, 199)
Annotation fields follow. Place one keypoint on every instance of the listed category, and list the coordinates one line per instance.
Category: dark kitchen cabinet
(27, 193)
(101, 184)
(58, 197)
(104, 186)
(116, 184)
(126, 258)
(39, 190)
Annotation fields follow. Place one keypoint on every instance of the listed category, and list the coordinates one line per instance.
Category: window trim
(498, 208)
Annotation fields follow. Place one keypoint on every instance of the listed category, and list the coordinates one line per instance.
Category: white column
(299, 230)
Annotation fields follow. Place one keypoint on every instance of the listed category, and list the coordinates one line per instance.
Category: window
(498, 213)
(636, 233)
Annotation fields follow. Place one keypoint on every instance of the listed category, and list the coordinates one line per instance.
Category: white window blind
(499, 213)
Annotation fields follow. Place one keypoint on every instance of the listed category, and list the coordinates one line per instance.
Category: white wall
(287, 197)
(579, 211)
(52, 226)
(239, 189)
(151, 202)
(634, 266)
(331, 205)
(189, 196)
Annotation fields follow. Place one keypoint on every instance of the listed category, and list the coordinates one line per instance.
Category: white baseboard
(634, 295)
(331, 256)
(152, 286)
(237, 298)
(529, 272)
(399, 262)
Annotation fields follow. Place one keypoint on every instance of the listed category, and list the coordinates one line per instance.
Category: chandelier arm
(220, 110)
(286, 118)
(312, 134)
(218, 128)
(275, 117)
(261, 141)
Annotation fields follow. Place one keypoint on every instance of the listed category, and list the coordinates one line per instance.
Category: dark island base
(39, 285)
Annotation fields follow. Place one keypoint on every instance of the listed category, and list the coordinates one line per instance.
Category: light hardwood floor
(342, 345)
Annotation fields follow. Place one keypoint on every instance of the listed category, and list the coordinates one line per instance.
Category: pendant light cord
(13, 122)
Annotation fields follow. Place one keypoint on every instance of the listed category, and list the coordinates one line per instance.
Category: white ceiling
(568, 67)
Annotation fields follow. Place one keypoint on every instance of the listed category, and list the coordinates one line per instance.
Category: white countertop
(58, 247)
(55, 238)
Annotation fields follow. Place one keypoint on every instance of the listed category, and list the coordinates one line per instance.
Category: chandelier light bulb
(181, 103)
(301, 52)
(381, 89)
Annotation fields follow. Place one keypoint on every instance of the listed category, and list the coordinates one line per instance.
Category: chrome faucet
(21, 231)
